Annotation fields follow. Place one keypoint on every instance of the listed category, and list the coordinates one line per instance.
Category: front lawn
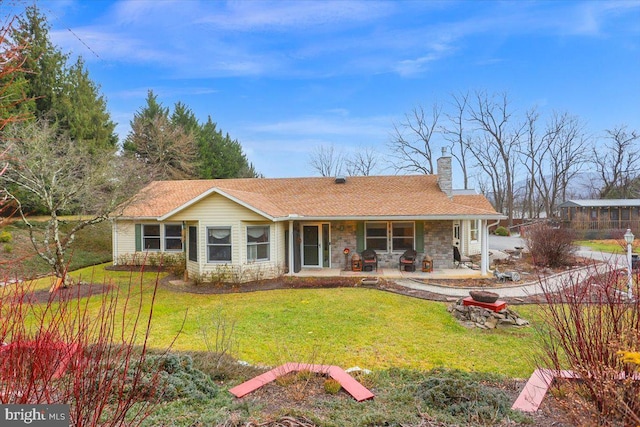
(342, 326)
(607, 246)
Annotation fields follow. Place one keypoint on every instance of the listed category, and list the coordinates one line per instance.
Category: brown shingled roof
(364, 196)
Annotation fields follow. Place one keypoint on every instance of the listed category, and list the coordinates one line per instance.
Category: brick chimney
(444, 173)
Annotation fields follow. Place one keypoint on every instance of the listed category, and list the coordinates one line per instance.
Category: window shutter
(360, 236)
(138, 237)
(420, 237)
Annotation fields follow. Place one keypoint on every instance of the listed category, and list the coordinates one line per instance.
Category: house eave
(443, 217)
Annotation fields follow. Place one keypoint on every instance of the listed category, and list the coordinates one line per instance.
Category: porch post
(291, 246)
(484, 247)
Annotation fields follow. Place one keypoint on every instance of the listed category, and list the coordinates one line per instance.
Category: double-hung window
(390, 236)
(474, 229)
(219, 244)
(401, 236)
(376, 236)
(258, 243)
(151, 237)
(173, 237)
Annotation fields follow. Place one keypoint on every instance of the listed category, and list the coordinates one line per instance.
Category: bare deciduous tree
(326, 160)
(411, 143)
(616, 163)
(363, 162)
(553, 160)
(497, 153)
(457, 135)
(63, 176)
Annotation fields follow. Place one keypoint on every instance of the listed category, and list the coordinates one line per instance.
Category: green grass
(91, 246)
(341, 326)
(607, 246)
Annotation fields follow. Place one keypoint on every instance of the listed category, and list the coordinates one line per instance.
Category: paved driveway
(501, 243)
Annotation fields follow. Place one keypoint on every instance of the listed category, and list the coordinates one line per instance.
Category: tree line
(60, 155)
(525, 163)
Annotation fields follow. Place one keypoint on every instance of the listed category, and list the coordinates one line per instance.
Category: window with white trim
(151, 237)
(376, 236)
(173, 237)
(258, 243)
(219, 244)
(402, 236)
(473, 231)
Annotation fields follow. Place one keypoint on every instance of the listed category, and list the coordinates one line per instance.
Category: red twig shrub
(88, 352)
(583, 327)
(549, 246)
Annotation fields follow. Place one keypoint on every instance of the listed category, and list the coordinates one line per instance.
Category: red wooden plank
(534, 391)
(353, 387)
(254, 383)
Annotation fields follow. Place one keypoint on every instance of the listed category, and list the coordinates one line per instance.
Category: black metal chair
(459, 260)
(369, 259)
(408, 260)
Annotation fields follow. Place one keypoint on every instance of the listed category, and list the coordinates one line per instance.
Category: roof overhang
(443, 217)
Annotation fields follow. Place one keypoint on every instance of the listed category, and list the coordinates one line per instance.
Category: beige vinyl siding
(123, 238)
(472, 246)
(218, 211)
(278, 244)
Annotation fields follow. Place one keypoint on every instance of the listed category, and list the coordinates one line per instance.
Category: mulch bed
(173, 284)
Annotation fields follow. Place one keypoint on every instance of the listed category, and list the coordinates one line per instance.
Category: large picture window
(376, 236)
(258, 243)
(151, 237)
(173, 237)
(401, 236)
(218, 244)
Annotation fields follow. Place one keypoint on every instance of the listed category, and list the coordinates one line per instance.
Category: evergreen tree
(177, 146)
(82, 110)
(44, 63)
(220, 156)
(61, 94)
(183, 116)
(165, 148)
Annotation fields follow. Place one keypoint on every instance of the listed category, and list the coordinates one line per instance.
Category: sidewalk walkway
(533, 287)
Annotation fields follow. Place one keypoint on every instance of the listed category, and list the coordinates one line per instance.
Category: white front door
(456, 234)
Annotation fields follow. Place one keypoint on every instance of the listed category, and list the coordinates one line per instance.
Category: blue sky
(287, 77)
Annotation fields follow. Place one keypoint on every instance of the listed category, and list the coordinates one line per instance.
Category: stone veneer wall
(343, 235)
(438, 244)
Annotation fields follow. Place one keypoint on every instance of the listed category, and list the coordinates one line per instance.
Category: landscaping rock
(484, 296)
(482, 318)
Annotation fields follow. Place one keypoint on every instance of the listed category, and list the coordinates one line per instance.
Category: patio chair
(408, 260)
(459, 260)
(369, 259)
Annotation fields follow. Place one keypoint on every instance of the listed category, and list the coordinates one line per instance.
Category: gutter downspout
(484, 247)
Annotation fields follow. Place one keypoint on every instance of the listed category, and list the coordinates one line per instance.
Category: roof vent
(340, 179)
